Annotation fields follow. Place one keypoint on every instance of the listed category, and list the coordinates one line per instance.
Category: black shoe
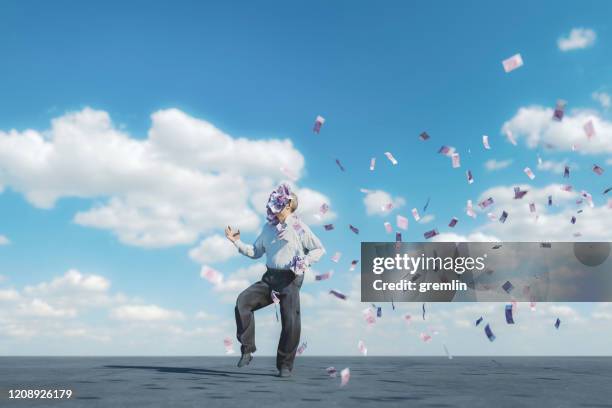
(284, 372)
(245, 360)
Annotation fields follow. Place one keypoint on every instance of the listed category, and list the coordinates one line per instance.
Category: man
(290, 248)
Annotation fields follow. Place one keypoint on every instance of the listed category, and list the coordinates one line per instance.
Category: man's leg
(251, 299)
(291, 324)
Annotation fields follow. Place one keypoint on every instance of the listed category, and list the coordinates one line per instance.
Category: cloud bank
(186, 179)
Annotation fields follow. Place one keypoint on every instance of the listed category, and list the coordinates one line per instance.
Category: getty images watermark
(422, 263)
(486, 271)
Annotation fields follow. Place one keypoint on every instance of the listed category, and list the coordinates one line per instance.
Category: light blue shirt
(280, 248)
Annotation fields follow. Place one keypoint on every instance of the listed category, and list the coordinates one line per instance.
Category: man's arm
(312, 245)
(252, 251)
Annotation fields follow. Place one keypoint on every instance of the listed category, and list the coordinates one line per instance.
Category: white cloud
(232, 286)
(152, 330)
(187, 178)
(40, 308)
(310, 202)
(145, 313)
(493, 164)
(229, 285)
(48, 307)
(69, 292)
(75, 290)
(236, 282)
(59, 310)
(535, 124)
(603, 311)
(556, 167)
(553, 223)
(375, 202)
(427, 218)
(198, 144)
(82, 332)
(578, 38)
(4, 240)
(72, 280)
(19, 331)
(202, 315)
(8, 295)
(215, 248)
(472, 237)
(56, 310)
(603, 98)
(563, 311)
(252, 272)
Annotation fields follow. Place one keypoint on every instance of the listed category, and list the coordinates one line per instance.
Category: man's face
(284, 213)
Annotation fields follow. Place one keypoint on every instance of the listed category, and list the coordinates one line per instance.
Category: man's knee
(242, 302)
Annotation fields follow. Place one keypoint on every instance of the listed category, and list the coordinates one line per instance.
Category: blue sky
(379, 75)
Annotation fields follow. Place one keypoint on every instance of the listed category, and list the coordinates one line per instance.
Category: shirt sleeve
(312, 245)
(254, 251)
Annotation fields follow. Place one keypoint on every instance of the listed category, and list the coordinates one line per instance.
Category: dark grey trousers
(258, 295)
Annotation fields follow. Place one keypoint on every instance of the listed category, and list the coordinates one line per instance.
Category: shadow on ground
(187, 370)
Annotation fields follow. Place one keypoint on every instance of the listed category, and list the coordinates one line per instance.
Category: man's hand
(231, 234)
